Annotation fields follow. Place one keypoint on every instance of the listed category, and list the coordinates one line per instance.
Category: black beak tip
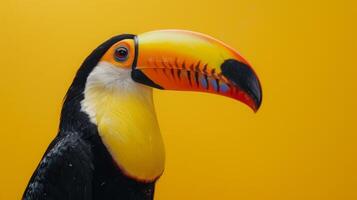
(245, 78)
(258, 103)
(258, 96)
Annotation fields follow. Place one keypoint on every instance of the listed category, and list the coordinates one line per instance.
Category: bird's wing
(65, 171)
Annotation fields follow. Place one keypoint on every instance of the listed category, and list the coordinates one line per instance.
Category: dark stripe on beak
(136, 44)
(138, 76)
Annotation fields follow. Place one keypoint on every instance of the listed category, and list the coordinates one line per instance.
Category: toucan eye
(121, 54)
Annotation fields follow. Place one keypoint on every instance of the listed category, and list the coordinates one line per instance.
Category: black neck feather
(72, 119)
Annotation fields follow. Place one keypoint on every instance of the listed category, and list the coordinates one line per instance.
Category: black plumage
(76, 165)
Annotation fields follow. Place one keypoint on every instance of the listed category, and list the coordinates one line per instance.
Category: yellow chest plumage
(124, 114)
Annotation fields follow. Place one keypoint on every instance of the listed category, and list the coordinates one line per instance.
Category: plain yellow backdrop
(300, 145)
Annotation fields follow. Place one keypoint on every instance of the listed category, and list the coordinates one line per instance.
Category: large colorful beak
(184, 60)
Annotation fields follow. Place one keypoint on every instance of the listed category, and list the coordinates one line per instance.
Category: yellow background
(300, 145)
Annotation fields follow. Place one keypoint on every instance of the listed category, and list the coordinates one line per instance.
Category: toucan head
(113, 89)
(187, 61)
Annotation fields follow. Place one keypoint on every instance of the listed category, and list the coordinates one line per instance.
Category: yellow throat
(124, 113)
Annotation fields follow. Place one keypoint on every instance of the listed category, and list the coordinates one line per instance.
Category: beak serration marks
(198, 74)
(197, 69)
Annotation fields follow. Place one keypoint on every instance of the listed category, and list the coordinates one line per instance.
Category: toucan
(109, 144)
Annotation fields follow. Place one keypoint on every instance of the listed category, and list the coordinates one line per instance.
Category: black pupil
(121, 53)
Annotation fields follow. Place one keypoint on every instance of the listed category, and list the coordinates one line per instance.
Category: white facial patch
(106, 77)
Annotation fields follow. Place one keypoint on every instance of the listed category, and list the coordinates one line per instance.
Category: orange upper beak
(184, 60)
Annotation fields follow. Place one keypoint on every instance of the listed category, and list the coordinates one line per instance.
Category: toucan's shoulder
(64, 170)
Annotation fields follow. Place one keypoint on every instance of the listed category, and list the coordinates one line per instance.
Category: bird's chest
(128, 128)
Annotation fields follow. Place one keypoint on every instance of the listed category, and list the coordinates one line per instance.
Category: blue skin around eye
(223, 87)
